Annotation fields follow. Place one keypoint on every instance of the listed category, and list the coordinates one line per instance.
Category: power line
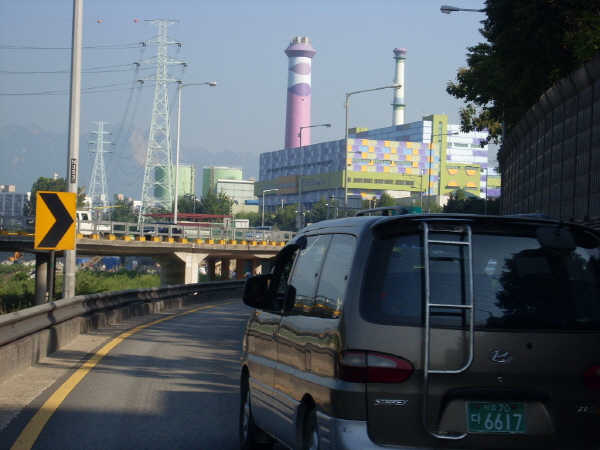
(116, 47)
(83, 91)
(6, 72)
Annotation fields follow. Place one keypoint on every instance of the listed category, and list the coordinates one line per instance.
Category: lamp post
(301, 171)
(180, 86)
(431, 164)
(346, 105)
(263, 204)
(486, 191)
(447, 9)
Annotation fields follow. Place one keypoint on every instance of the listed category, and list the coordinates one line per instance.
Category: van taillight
(591, 376)
(358, 366)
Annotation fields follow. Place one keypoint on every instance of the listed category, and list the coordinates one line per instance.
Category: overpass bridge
(179, 258)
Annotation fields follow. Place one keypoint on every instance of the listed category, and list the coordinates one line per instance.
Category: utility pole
(74, 121)
(157, 190)
(98, 189)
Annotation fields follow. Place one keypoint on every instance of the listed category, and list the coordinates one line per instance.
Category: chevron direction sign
(55, 221)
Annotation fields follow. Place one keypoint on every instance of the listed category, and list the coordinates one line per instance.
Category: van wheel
(251, 436)
(310, 435)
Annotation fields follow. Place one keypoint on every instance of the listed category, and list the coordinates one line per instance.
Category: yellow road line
(35, 426)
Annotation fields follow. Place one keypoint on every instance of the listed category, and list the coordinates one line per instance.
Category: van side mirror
(290, 298)
(255, 291)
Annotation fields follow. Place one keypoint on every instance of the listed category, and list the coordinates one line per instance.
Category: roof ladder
(430, 306)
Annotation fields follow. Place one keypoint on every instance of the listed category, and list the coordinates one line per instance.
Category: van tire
(251, 436)
(310, 434)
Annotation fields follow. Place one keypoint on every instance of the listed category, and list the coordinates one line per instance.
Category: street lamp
(301, 171)
(446, 9)
(346, 105)
(263, 204)
(486, 191)
(431, 164)
(180, 86)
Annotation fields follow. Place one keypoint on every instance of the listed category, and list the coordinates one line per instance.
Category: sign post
(54, 228)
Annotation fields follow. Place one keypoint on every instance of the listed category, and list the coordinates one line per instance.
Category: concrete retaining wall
(23, 353)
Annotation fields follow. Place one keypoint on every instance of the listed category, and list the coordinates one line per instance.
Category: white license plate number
(495, 417)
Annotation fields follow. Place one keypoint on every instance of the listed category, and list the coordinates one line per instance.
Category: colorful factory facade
(426, 159)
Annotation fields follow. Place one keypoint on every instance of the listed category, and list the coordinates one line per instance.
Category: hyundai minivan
(430, 331)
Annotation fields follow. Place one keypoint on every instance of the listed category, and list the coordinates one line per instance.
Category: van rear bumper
(340, 434)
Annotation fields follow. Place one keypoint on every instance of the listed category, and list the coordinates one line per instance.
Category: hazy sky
(240, 45)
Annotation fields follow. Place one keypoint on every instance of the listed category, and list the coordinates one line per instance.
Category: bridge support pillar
(225, 269)
(240, 269)
(179, 268)
(210, 269)
(41, 278)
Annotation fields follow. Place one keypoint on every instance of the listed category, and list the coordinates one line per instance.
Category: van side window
(334, 276)
(305, 275)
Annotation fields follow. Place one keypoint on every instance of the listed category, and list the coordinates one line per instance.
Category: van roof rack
(384, 211)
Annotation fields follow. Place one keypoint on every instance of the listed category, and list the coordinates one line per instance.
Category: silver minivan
(428, 331)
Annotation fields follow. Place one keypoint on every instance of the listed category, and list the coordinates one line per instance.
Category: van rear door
(537, 331)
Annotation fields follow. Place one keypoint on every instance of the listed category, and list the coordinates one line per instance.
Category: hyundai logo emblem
(500, 356)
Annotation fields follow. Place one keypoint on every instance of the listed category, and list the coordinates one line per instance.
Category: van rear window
(516, 284)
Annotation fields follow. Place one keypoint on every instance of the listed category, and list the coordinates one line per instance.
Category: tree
(123, 212)
(319, 211)
(219, 203)
(530, 45)
(285, 218)
(189, 204)
(386, 200)
(81, 201)
(42, 184)
(461, 202)
(254, 218)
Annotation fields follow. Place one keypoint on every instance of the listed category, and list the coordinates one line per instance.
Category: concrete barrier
(30, 335)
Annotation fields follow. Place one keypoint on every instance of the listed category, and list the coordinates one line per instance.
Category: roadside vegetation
(17, 291)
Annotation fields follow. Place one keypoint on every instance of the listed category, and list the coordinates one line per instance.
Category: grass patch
(17, 291)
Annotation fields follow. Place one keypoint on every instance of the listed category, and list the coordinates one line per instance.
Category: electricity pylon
(157, 190)
(98, 190)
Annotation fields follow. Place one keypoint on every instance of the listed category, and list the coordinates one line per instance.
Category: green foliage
(318, 211)
(123, 212)
(460, 202)
(17, 291)
(189, 204)
(285, 219)
(530, 45)
(254, 217)
(386, 200)
(219, 203)
(43, 184)
(51, 185)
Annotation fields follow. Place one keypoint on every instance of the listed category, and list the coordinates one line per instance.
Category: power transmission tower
(98, 190)
(157, 191)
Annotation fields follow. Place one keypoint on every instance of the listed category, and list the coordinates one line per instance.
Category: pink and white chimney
(300, 54)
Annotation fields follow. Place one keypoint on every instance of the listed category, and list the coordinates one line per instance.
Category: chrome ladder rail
(469, 307)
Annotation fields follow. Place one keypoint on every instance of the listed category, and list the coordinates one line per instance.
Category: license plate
(495, 417)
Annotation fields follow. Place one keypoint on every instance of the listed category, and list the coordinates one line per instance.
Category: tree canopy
(213, 203)
(531, 44)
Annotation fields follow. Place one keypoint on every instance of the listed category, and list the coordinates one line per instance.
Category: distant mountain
(30, 152)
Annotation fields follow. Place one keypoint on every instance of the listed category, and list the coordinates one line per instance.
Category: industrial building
(428, 159)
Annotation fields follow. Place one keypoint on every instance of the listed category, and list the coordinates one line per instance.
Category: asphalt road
(167, 385)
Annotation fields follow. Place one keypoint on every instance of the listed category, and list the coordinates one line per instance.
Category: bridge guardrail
(133, 229)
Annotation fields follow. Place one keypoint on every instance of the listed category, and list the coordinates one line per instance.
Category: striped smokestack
(300, 54)
(398, 102)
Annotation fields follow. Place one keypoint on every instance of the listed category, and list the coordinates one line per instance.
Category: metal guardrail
(14, 326)
(191, 231)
